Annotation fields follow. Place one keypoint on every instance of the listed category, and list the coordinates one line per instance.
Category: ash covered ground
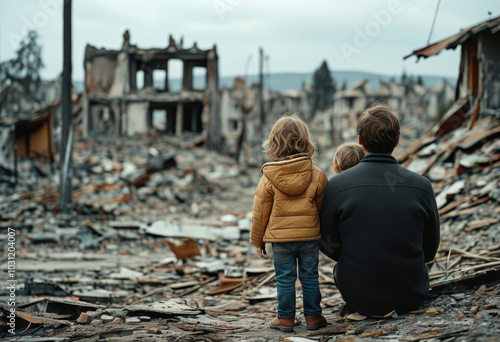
(155, 247)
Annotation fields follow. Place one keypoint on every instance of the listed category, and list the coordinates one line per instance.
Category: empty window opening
(159, 76)
(350, 102)
(139, 79)
(234, 125)
(171, 120)
(175, 74)
(160, 119)
(199, 78)
(105, 120)
(192, 118)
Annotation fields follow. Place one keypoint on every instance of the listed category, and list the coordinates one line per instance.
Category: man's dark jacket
(381, 223)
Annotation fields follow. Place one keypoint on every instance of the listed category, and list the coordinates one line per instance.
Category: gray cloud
(295, 34)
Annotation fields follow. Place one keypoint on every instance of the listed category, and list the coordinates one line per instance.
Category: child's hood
(292, 176)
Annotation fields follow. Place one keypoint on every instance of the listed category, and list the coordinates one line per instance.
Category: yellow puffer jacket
(288, 201)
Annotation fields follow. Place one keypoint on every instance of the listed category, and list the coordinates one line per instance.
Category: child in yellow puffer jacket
(286, 211)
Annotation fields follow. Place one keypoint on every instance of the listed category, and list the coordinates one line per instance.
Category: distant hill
(286, 81)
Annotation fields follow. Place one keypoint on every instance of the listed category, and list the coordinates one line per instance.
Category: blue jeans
(285, 256)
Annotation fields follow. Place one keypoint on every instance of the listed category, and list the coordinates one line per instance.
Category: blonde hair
(347, 156)
(288, 136)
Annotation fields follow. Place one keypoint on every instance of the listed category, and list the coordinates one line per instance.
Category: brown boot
(314, 323)
(283, 324)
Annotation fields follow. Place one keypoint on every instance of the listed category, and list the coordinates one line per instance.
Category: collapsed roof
(493, 26)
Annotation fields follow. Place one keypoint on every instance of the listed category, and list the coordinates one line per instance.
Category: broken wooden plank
(439, 334)
(455, 204)
(480, 224)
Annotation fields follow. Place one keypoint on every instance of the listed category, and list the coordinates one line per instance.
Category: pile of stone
(463, 164)
(156, 247)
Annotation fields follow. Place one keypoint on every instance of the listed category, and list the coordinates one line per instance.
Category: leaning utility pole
(261, 90)
(67, 127)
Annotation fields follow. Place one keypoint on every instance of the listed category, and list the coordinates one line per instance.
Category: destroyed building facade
(407, 99)
(240, 110)
(478, 85)
(129, 91)
(415, 104)
(26, 136)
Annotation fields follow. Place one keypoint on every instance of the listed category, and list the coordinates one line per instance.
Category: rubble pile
(154, 245)
(157, 248)
(126, 179)
(464, 166)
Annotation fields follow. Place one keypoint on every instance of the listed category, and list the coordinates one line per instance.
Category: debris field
(156, 248)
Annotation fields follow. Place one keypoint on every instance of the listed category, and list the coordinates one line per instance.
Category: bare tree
(20, 77)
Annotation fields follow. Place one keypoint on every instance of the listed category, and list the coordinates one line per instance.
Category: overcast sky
(365, 35)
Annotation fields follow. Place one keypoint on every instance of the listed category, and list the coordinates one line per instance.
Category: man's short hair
(378, 129)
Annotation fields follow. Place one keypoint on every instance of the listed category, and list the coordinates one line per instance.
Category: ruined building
(408, 99)
(129, 91)
(467, 134)
(478, 85)
(239, 108)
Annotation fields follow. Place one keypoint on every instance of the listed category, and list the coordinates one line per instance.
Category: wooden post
(66, 141)
(261, 90)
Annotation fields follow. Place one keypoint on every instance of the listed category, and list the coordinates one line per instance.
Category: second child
(347, 156)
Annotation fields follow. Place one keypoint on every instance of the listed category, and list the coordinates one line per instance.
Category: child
(286, 210)
(347, 156)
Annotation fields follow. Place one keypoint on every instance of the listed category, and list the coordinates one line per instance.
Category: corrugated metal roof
(461, 37)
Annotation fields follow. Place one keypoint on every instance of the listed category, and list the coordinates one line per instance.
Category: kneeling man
(380, 222)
